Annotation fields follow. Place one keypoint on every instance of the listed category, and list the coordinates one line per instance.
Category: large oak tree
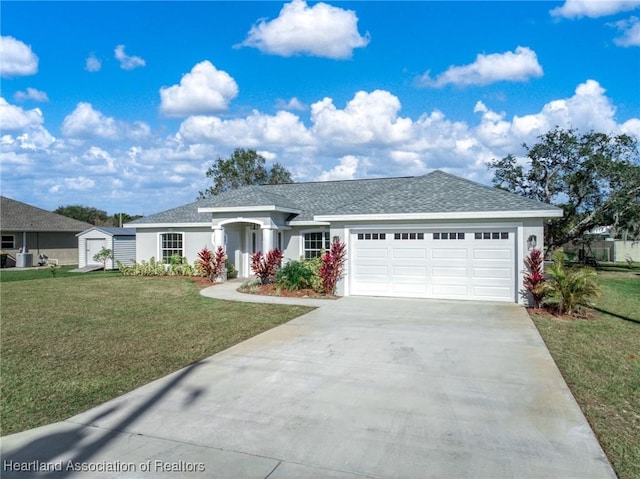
(593, 177)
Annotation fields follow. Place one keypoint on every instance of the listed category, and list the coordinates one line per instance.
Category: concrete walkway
(228, 291)
(360, 387)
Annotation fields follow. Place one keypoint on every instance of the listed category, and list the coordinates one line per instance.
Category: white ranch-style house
(431, 236)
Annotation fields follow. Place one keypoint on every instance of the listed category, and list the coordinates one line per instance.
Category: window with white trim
(8, 242)
(315, 243)
(170, 244)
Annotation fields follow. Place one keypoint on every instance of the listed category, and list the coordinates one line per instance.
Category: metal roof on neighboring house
(111, 230)
(435, 192)
(18, 216)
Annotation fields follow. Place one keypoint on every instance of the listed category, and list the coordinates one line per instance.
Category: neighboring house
(601, 246)
(121, 242)
(27, 229)
(431, 236)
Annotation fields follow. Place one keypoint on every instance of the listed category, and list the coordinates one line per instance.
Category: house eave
(247, 209)
(309, 223)
(167, 225)
(555, 213)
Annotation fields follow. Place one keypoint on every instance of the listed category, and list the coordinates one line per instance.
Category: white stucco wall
(148, 242)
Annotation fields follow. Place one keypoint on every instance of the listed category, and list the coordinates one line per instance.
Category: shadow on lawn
(45, 449)
(615, 315)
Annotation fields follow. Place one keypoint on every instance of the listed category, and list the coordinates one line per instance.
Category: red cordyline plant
(211, 264)
(219, 262)
(333, 265)
(204, 263)
(265, 267)
(534, 277)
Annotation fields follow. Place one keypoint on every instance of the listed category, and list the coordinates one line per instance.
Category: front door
(253, 244)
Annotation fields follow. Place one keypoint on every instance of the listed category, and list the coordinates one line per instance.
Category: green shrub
(300, 275)
(182, 269)
(566, 288)
(151, 268)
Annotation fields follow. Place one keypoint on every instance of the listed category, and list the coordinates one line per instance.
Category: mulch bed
(273, 290)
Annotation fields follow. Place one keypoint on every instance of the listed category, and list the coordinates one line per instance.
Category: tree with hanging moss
(594, 177)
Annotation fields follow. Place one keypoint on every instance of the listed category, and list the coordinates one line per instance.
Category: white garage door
(452, 263)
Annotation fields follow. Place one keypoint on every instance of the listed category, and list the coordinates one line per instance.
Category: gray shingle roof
(435, 192)
(182, 214)
(440, 192)
(18, 216)
(250, 196)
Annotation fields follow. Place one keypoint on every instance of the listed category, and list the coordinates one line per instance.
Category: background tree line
(94, 216)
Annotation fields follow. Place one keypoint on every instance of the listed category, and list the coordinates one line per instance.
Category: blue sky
(123, 105)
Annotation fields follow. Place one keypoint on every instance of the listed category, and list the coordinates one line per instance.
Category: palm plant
(566, 289)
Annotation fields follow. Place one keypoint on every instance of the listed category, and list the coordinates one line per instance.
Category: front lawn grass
(71, 343)
(599, 359)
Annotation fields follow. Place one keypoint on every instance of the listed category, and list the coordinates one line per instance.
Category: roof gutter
(454, 215)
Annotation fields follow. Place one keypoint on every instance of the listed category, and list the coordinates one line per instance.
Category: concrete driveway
(361, 387)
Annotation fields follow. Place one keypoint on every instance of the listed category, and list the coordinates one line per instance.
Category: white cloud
(257, 130)
(14, 118)
(23, 129)
(95, 161)
(126, 62)
(321, 30)
(631, 127)
(92, 64)
(588, 109)
(519, 65)
(369, 118)
(85, 122)
(630, 29)
(31, 94)
(593, 8)
(345, 170)
(79, 183)
(291, 104)
(204, 90)
(16, 58)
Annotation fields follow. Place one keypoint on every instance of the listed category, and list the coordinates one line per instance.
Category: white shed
(121, 241)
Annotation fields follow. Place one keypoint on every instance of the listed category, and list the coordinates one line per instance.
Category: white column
(218, 237)
(267, 240)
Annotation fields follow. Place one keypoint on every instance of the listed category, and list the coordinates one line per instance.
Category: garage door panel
(492, 254)
(409, 290)
(381, 271)
(413, 253)
(373, 253)
(416, 272)
(442, 290)
(449, 253)
(492, 273)
(450, 271)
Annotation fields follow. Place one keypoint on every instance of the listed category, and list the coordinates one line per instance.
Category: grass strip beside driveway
(70, 343)
(599, 359)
